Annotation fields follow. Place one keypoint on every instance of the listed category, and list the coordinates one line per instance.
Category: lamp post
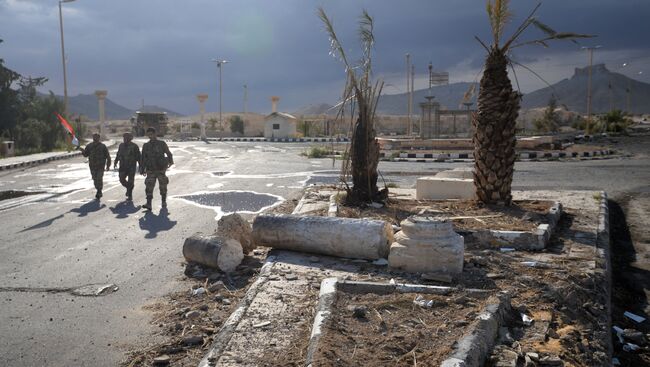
(591, 58)
(219, 63)
(65, 80)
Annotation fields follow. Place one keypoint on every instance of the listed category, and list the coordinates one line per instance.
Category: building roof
(281, 114)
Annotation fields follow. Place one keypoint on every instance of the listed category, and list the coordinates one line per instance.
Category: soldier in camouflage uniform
(153, 166)
(128, 155)
(98, 157)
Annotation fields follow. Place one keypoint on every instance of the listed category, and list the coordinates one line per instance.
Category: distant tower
(274, 103)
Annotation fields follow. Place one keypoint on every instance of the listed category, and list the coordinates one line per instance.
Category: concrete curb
(603, 249)
(474, 347)
(36, 162)
(283, 140)
(468, 157)
(222, 338)
(520, 240)
(39, 161)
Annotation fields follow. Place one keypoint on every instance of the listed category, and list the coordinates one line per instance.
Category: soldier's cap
(127, 134)
(95, 134)
(151, 130)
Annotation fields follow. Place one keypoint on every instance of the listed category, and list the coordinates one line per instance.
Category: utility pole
(591, 58)
(245, 101)
(65, 76)
(411, 91)
(219, 64)
(408, 94)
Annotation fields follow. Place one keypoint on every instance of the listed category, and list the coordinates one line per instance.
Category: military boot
(129, 194)
(98, 195)
(148, 204)
(164, 200)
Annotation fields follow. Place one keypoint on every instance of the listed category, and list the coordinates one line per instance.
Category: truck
(141, 121)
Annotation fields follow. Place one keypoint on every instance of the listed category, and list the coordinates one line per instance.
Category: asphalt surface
(61, 238)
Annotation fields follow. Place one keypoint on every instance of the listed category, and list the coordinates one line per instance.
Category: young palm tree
(363, 157)
(498, 105)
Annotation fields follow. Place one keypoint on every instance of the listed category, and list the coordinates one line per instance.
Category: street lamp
(219, 63)
(65, 80)
(591, 58)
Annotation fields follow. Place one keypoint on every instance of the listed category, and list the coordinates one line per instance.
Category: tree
(8, 99)
(615, 121)
(364, 95)
(236, 124)
(498, 105)
(550, 121)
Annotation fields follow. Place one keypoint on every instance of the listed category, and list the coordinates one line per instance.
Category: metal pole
(245, 100)
(591, 56)
(408, 94)
(65, 82)
(220, 85)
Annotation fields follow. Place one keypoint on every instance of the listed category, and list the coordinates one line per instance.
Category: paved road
(61, 238)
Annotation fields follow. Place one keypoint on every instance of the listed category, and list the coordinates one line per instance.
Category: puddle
(225, 202)
(12, 194)
(89, 290)
(94, 290)
(221, 173)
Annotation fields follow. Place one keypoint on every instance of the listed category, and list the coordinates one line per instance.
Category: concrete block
(436, 188)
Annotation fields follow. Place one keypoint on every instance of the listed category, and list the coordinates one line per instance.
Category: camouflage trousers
(150, 183)
(98, 178)
(127, 177)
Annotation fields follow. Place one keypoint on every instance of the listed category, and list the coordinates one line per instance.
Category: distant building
(280, 125)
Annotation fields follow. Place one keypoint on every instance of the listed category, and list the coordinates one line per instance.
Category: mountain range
(610, 90)
(86, 104)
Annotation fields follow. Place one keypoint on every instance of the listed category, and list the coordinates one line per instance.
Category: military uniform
(154, 163)
(128, 155)
(98, 158)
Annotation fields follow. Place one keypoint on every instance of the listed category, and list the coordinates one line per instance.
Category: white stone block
(436, 188)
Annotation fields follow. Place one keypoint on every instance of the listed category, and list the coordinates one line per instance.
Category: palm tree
(363, 157)
(498, 105)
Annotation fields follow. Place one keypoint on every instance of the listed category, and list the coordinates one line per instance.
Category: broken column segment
(218, 252)
(428, 245)
(342, 237)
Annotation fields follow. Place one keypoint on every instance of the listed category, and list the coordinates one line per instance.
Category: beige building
(280, 125)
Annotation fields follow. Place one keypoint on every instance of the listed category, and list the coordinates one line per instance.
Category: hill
(86, 104)
(449, 96)
(573, 92)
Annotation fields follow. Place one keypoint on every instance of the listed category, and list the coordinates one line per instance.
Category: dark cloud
(160, 50)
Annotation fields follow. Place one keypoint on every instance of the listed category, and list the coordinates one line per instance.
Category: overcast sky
(160, 50)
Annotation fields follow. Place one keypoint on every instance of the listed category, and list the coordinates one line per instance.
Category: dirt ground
(392, 330)
(465, 214)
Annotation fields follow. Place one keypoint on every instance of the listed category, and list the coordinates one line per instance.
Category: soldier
(153, 166)
(98, 157)
(128, 154)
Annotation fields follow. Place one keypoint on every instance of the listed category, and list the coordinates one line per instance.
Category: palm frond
(557, 36)
(543, 27)
(499, 15)
(336, 49)
(522, 27)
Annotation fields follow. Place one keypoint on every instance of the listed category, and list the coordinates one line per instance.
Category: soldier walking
(153, 166)
(98, 157)
(128, 155)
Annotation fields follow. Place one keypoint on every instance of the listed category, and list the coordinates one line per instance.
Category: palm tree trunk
(494, 132)
(364, 152)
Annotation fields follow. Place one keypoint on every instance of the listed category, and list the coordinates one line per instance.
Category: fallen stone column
(218, 252)
(342, 237)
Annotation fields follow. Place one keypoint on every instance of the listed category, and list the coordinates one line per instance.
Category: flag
(69, 128)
